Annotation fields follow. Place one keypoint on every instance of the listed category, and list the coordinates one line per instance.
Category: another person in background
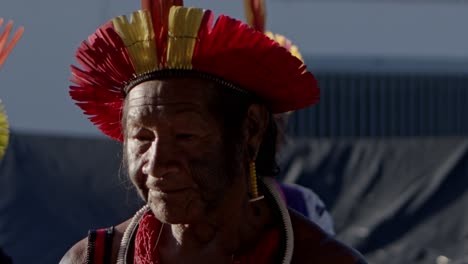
(192, 100)
(299, 198)
(5, 49)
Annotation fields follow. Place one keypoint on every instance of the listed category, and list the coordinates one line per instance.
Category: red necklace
(149, 230)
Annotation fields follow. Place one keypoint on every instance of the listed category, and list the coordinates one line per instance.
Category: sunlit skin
(179, 162)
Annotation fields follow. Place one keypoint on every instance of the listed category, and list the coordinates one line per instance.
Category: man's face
(175, 150)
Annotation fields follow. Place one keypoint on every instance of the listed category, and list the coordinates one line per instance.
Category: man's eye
(143, 137)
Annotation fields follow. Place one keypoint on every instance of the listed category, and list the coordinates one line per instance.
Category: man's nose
(162, 159)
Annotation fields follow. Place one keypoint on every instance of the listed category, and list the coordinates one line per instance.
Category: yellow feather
(270, 34)
(4, 131)
(294, 50)
(138, 36)
(184, 24)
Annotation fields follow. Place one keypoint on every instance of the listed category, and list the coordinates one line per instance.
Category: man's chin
(171, 216)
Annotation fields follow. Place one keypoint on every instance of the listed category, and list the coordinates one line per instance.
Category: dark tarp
(396, 200)
(53, 189)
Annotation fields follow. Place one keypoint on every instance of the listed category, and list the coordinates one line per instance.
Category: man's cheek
(138, 179)
(131, 164)
(134, 167)
(133, 159)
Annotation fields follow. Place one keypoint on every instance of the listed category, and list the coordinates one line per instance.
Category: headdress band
(181, 73)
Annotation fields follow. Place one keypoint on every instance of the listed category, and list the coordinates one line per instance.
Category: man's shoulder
(78, 254)
(313, 245)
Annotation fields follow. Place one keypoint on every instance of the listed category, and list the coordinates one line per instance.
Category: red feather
(105, 68)
(248, 58)
(5, 49)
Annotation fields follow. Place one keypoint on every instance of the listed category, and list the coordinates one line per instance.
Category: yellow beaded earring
(254, 183)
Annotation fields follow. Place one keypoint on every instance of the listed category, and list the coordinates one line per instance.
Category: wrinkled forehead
(171, 92)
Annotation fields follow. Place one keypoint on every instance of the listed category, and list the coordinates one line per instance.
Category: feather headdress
(6, 49)
(165, 39)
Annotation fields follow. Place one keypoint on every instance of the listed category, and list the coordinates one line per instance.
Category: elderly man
(193, 101)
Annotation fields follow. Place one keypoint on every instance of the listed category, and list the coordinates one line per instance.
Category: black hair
(231, 107)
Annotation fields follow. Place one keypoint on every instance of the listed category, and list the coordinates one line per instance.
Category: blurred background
(386, 148)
